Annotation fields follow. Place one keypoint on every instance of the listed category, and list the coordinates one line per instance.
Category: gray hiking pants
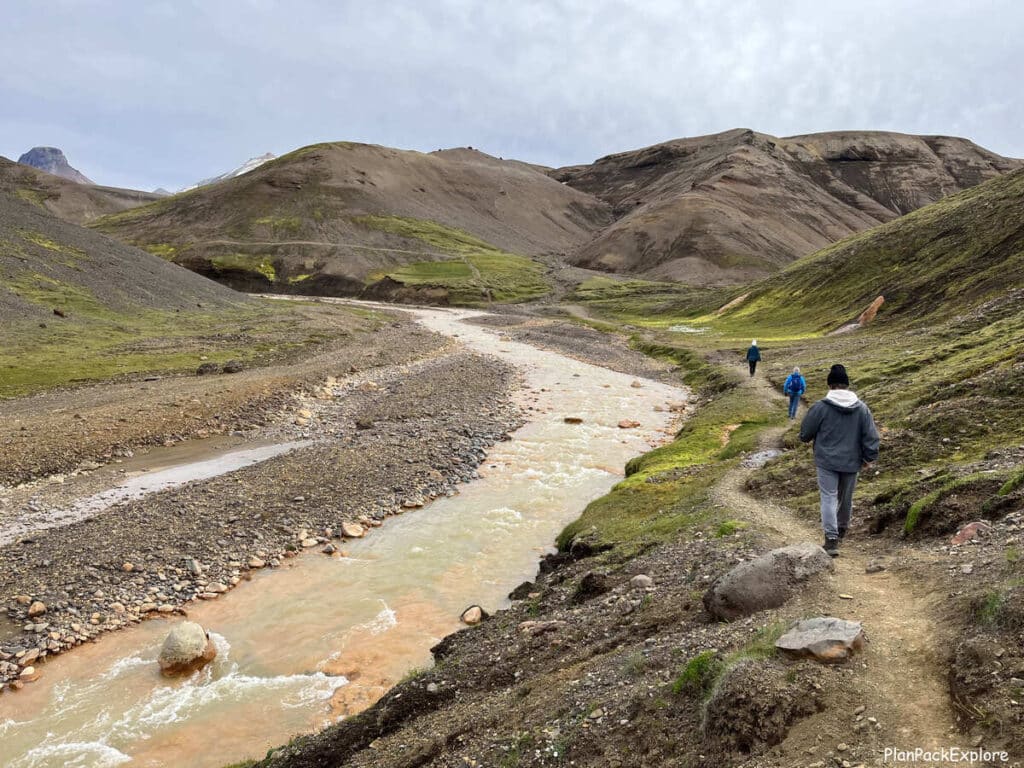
(836, 489)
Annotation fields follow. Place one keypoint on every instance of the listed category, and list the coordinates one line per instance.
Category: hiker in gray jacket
(845, 441)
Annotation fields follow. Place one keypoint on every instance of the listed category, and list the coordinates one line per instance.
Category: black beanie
(837, 377)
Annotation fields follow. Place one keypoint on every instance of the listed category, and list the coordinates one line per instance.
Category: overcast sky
(146, 94)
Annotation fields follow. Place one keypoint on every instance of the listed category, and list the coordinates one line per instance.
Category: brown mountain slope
(738, 205)
(335, 217)
(47, 264)
(69, 200)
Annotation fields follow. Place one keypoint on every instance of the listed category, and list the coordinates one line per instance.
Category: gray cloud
(164, 93)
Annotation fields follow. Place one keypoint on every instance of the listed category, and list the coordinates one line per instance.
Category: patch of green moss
(298, 279)
(37, 238)
(1011, 485)
(51, 293)
(163, 250)
(729, 527)
(245, 262)
(34, 196)
(96, 342)
(479, 273)
(699, 676)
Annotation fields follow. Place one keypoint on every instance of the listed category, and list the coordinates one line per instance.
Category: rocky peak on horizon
(52, 160)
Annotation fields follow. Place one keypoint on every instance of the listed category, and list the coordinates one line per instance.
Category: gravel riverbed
(385, 440)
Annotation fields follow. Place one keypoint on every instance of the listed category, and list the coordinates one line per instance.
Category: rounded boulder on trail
(765, 582)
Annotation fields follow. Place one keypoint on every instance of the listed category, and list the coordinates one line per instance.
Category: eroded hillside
(738, 205)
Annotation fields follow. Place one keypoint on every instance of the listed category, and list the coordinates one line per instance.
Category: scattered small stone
(970, 532)
(843, 596)
(874, 568)
(38, 608)
(628, 424)
(233, 366)
(352, 530)
(572, 420)
(641, 581)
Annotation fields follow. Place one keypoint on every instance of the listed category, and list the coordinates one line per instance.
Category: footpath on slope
(904, 679)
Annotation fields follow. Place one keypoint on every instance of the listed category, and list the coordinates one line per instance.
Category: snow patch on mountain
(249, 165)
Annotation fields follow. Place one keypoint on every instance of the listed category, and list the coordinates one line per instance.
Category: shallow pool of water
(326, 636)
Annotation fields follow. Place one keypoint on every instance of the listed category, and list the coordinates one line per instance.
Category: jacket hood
(842, 400)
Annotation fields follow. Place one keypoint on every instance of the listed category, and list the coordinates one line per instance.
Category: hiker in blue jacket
(753, 356)
(845, 442)
(795, 386)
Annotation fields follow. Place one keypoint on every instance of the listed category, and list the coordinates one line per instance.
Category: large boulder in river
(765, 582)
(187, 648)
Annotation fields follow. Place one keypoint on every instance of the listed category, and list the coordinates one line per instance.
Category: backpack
(793, 385)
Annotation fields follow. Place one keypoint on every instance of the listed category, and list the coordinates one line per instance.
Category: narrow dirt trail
(903, 680)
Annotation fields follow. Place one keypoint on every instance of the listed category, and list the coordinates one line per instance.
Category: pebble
(352, 530)
(38, 608)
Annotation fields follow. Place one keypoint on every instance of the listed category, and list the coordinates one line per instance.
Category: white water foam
(72, 754)
(92, 745)
(382, 622)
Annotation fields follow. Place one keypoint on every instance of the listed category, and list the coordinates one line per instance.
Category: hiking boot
(831, 547)
(842, 533)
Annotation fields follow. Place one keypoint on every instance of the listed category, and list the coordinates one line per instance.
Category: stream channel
(322, 638)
